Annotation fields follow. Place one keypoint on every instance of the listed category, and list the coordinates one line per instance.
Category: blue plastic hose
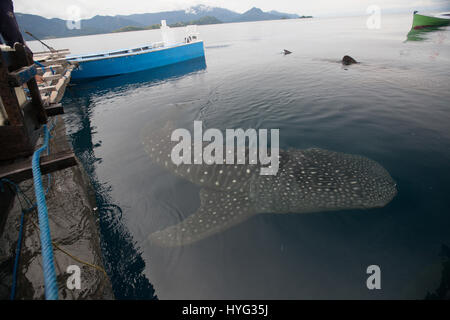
(51, 286)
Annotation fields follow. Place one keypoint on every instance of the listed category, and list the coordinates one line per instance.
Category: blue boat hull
(110, 66)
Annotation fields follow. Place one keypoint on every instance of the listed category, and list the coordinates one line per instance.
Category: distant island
(44, 28)
(201, 21)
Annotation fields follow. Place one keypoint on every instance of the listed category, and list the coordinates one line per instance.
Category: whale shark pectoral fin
(218, 211)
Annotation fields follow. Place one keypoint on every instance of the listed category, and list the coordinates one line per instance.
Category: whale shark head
(320, 180)
(310, 180)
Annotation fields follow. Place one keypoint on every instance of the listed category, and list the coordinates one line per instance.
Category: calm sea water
(393, 108)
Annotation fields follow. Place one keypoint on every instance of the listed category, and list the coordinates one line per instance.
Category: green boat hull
(421, 34)
(420, 21)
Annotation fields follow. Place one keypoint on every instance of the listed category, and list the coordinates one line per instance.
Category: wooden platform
(56, 74)
(61, 157)
(22, 111)
(20, 171)
(25, 105)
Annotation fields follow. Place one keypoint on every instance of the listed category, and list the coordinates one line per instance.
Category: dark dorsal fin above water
(347, 60)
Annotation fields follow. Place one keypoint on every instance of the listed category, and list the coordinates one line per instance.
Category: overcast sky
(89, 8)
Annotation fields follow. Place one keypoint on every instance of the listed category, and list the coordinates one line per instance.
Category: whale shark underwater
(310, 180)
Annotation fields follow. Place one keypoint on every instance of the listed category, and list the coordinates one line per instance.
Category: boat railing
(158, 44)
(137, 50)
(120, 52)
(192, 35)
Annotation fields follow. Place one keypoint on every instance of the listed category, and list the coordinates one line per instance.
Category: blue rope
(40, 65)
(24, 211)
(16, 260)
(19, 240)
(17, 190)
(43, 67)
(51, 287)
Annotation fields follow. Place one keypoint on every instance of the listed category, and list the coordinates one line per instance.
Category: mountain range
(44, 28)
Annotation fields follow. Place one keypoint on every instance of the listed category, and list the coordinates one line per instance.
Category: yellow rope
(79, 260)
(72, 256)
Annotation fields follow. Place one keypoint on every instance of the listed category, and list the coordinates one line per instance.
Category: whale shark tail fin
(218, 211)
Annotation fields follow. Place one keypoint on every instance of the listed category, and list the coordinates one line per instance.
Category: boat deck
(116, 62)
(123, 52)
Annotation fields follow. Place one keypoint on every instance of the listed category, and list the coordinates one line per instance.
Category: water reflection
(122, 258)
(422, 34)
(443, 291)
(137, 79)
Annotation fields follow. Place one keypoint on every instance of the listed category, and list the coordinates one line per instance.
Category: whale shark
(309, 180)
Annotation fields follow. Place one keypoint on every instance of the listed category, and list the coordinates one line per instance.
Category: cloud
(89, 8)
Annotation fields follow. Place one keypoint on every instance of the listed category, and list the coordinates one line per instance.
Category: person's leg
(9, 28)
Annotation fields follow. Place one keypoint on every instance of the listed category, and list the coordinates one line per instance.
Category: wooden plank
(54, 109)
(47, 89)
(31, 121)
(51, 77)
(51, 52)
(21, 76)
(20, 95)
(14, 142)
(3, 115)
(41, 58)
(8, 96)
(8, 57)
(11, 104)
(22, 170)
(26, 60)
(45, 100)
(54, 61)
(52, 56)
(56, 68)
(57, 95)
